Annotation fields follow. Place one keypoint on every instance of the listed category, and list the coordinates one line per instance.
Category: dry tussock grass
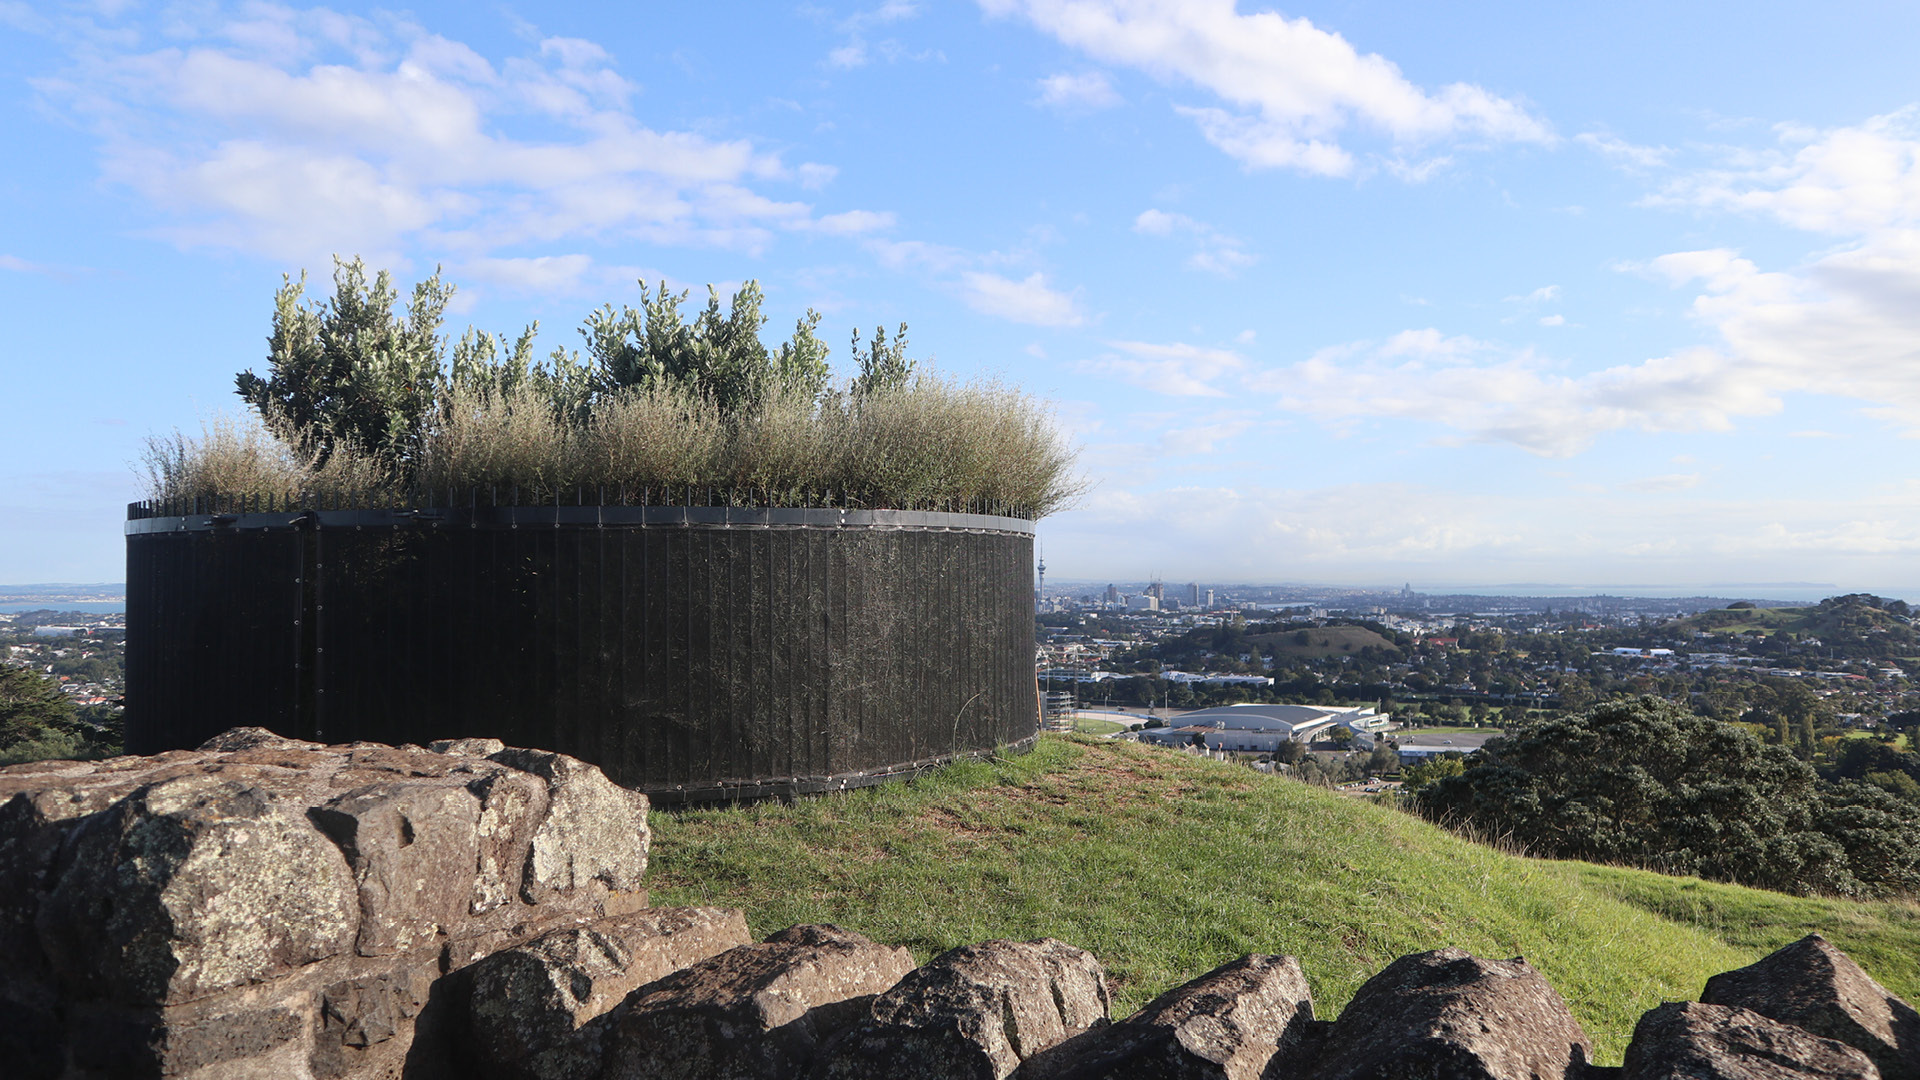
(931, 444)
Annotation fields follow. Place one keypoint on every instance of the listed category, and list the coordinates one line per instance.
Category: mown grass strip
(1165, 866)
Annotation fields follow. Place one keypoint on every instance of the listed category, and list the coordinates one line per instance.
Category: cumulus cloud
(1088, 91)
(1216, 252)
(1844, 323)
(1489, 393)
(1031, 300)
(1176, 368)
(296, 134)
(1846, 181)
(1289, 87)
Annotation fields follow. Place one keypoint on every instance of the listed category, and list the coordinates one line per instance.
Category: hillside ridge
(1166, 866)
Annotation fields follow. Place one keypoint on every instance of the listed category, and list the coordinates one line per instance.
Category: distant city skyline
(1335, 292)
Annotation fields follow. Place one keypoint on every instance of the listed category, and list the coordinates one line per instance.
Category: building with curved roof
(1255, 728)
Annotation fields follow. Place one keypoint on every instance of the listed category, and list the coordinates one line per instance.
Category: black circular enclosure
(694, 653)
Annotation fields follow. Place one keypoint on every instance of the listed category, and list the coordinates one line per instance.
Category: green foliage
(1884, 766)
(360, 404)
(1094, 842)
(718, 355)
(31, 705)
(1646, 783)
(350, 372)
(884, 365)
(38, 722)
(1435, 768)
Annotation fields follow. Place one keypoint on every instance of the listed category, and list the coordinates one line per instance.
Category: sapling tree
(349, 371)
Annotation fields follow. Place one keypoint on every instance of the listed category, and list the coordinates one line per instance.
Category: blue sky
(1344, 293)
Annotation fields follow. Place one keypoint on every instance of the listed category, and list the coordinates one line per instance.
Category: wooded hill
(1853, 625)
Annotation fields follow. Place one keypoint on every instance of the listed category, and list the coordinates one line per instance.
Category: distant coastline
(102, 598)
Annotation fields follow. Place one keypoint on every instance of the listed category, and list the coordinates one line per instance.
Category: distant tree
(1291, 753)
(1903, 721)
(1383, 759)
(1645, 782)
(1434, 768)
(31, 705)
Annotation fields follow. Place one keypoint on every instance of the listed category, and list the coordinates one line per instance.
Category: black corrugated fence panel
(693, 654)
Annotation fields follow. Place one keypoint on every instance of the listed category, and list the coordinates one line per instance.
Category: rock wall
(267, 907)
(262, 907)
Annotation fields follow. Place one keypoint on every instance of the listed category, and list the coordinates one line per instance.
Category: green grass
(1165, 866)
(1322, 641)
(1446, 729)
(1092, 726)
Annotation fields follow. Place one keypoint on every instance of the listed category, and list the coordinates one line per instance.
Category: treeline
(1644, 782)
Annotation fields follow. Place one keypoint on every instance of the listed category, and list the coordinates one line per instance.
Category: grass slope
(1322, 641)
(1165, 866)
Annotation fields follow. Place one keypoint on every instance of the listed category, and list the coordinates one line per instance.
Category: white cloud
(559, 274)
(1623, 153)
(298, 134)
(855, 52)
(1031, 301)
(1847, 181)
(1216, 252)
(1542, 295)
(1204, 437)
(1491, 394)
(1160, 223)
(890, 12)
(23, 266)
(1845, 323)
(1177, 369)
(1553, 320)
(1338, 533)
(851, 55)
(543, 274)
(1291, 87)
(854, 222)
(1088, 91)
(814, 176)
(918, 254)
(1418, 172)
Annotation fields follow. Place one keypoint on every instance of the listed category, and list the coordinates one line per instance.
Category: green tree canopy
(1647, 783)
(31, 705)
(350, 371)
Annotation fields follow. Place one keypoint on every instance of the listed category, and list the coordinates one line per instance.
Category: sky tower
(1040, 579)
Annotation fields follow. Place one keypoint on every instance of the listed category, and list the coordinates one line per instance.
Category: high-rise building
(1193, 596)
(1113, 595)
